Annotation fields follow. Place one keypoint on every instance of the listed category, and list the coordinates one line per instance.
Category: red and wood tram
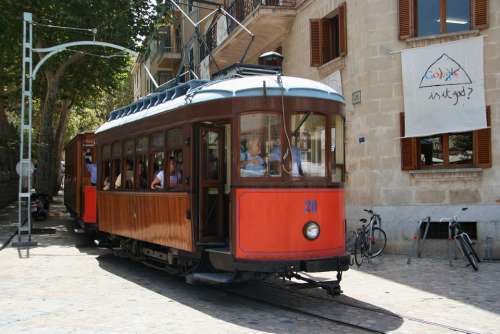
(79, 192)
(227, 180)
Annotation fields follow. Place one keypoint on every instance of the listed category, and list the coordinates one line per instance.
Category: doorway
(211, 175)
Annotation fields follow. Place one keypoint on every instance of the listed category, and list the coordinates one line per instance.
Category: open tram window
(308, 144)
(128, 165)
(260, 145)
(141, 150)
(116, 151)
(106, 168)
(158, 161)
(175, 158)
(337, 148)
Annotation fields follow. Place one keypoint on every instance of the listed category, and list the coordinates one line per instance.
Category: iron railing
(240, 10)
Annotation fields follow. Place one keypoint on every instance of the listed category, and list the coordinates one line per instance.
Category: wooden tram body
(212, 216)
(79, 193)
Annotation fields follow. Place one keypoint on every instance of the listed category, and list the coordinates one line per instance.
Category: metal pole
(25, 170)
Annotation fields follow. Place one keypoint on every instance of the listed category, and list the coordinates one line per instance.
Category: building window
(442, 16)
(448, 150)
(328, 37)
(190, 6)
(420, 18)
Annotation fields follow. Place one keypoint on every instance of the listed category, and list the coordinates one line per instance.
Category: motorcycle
(39, 206)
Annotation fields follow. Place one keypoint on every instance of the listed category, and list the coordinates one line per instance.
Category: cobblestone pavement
(66, 286)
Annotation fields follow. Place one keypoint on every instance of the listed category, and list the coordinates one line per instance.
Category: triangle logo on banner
(445, 71)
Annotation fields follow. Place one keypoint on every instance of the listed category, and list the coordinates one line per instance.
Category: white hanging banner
(221, 29)
(444, 88)
(205, 68)
(334, 80)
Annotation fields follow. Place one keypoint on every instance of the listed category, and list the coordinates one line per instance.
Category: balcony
(165, 50)
(260, 17)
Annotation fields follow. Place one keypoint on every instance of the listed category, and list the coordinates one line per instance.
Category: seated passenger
(251, 160)
(106, 184)
(158, 181)
(174, 178)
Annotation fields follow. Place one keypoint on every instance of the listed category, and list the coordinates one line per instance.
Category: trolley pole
(25, 127)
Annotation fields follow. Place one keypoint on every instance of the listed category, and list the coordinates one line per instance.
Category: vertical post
(25, 128)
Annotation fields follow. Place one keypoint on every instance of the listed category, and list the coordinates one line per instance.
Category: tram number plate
(310, 206)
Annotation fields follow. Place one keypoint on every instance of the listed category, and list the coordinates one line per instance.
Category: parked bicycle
(463, 241)
(370, 238)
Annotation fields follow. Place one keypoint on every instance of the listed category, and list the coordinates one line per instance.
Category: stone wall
(374, 175)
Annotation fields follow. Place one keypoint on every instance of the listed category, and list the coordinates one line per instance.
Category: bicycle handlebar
(369, 211)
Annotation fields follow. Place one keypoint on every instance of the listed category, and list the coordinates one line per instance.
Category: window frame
(442, 18)
(445, 142)
(285, 178)
(316, 38)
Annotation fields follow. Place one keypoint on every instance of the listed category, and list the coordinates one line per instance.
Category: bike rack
(418, 243)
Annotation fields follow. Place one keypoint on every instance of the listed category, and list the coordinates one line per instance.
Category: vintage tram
(79, 190)
(227, 180)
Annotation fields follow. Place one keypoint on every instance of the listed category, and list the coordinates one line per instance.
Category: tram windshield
(260, 145)
(313, 147)
(308, 140)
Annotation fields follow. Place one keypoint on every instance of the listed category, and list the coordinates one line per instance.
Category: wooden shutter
(342, 30)
(315, 42)
(408, 147)
(326, 41)
(482, 144)
(406, 19)
(479, 14)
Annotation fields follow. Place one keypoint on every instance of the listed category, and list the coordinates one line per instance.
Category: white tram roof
(251, 86)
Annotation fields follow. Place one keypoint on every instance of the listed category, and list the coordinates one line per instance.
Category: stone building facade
(366, 58)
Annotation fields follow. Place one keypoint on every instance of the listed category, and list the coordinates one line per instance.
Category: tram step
(210, 278)
(224, 251)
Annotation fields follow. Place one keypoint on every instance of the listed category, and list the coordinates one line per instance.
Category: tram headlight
(311, 230)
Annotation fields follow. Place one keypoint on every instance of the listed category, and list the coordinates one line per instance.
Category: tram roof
(198, 91)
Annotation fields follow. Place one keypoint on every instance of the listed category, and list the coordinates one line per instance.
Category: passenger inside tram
(252, 163)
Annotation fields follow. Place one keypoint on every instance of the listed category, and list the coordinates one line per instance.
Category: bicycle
(464, 242)
(370, 238)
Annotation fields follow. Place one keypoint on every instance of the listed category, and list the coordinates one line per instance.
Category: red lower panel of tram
(89, 205)
(270, 223)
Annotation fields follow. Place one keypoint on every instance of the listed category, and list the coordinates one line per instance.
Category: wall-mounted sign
(444, 88)
(356, 97)
(334, 80)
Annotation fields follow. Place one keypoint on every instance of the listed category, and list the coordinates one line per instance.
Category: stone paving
(66, 286)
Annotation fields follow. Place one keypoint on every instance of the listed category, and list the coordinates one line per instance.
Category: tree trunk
(47, 152)
(59, 141)
(46, 140)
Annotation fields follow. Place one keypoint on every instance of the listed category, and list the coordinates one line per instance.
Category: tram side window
(116, 180)
(337, 149)
(106, 168)
(175, 158)
(128, 165)
(309, 141)
(260, 145)
(158, 161)
(142, 164)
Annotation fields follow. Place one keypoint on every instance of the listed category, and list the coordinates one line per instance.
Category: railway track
(351, 314)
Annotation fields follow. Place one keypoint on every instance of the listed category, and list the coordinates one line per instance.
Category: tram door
(211, 180)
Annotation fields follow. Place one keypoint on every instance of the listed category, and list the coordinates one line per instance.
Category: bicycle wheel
(359, 249)
(378, 241)
(467, 239)
(467, 250)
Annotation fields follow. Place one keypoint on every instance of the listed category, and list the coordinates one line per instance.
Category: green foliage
(91, 113)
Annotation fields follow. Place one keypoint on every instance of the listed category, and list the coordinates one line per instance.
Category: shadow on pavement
(216, 302)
